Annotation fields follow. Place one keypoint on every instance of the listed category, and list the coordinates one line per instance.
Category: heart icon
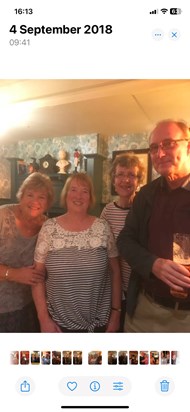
(71, 386)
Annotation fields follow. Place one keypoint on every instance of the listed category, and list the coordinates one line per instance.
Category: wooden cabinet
(58, 184)
(93, 166)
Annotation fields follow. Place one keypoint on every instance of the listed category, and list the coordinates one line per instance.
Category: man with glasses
(159, 210)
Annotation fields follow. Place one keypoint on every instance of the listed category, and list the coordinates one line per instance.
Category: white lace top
(78, 281)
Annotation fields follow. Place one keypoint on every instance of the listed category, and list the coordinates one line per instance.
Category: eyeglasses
(165, 145)
(126, 176)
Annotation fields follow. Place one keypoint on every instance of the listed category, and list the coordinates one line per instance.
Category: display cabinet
(93, 166)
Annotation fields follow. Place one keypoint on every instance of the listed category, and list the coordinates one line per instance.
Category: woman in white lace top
(75, 249)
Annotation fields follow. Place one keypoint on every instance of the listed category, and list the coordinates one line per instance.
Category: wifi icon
(164, 11)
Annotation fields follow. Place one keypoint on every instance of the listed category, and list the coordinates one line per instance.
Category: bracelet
(7, 274)
(117, 309)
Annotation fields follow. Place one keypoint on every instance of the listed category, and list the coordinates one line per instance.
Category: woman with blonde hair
(75, 250)
(19, 227)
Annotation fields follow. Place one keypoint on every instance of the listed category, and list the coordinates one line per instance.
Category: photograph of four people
(114, 273)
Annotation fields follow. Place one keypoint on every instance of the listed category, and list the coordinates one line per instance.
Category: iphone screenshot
(94, 205)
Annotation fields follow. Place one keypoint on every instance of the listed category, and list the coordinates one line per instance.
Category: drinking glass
(181, 255)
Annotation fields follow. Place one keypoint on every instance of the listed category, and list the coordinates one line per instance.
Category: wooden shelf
(93, 164)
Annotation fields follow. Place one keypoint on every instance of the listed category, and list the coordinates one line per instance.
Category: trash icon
(164, 385)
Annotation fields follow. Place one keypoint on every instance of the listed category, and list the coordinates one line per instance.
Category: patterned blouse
(78, 282)
(15, 251)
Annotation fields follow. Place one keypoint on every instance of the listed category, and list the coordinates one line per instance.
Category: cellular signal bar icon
(154, 12)
(164, 11)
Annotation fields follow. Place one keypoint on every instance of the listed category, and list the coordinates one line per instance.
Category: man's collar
(185, 185)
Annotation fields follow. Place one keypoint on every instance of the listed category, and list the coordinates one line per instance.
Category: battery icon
(175, 10)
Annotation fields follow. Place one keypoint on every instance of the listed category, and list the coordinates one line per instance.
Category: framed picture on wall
(5, 181)
(144, 157)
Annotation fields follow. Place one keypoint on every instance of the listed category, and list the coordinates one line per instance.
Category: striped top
(78, 282)
(115, 216)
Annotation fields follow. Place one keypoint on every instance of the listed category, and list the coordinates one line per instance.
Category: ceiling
(33, 109)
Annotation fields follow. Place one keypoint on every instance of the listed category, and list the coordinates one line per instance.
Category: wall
(38, 148)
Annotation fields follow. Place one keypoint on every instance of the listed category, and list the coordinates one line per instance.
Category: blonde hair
(37, 181)
(82, 179)
(128, 160)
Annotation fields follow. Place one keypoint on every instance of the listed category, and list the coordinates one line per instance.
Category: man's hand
(173, 274)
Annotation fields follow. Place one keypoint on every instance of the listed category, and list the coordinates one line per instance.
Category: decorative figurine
(34, 166)
(63, 163)
(76, 159)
